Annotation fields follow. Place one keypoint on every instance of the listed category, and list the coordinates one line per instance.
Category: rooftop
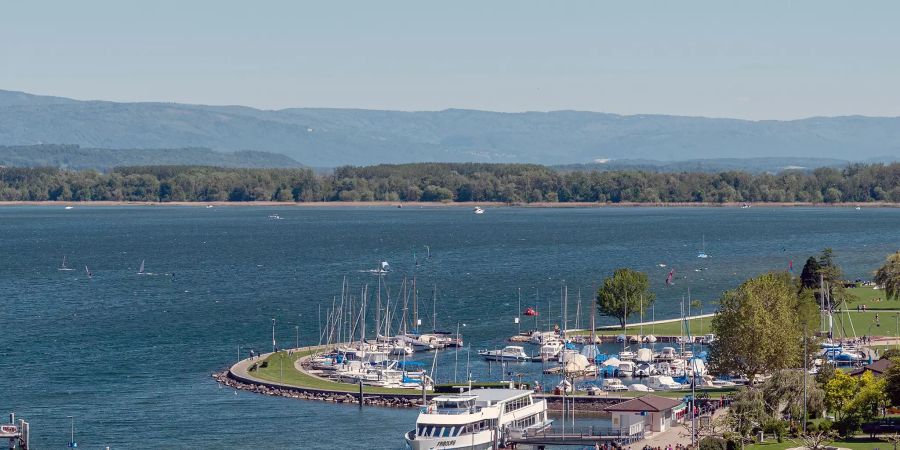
(646, 403)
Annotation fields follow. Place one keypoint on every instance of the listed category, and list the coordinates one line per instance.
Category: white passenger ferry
(477, 419)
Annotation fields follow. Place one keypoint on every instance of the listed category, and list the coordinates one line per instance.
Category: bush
(776, 427)
(847, 427)
(713, 443)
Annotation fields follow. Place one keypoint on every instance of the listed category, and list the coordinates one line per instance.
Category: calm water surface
(131, 356)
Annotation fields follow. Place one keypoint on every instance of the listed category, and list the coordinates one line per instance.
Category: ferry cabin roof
(473, 407)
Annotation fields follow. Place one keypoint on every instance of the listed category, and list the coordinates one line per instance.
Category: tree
(839, 392)
(622, 293)
(758, 328)
(747, 413)
(816, 440)
(870, 397)
(892, 383)
(809, 277)
(783, 394)
(888, 276)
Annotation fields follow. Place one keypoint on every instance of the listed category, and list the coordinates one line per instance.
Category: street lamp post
(297, 328)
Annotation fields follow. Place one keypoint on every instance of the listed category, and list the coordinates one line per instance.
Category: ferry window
(445, 431)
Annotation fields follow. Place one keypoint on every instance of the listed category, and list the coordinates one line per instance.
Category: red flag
(791, 265)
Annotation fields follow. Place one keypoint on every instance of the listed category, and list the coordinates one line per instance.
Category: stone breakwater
(588, 404)
(390, 401)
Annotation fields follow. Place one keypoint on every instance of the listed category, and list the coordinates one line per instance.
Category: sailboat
(64, 267)
(702, 252)
(88, 272)
(141, 269)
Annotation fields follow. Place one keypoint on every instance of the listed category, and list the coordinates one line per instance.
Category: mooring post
(361, 393)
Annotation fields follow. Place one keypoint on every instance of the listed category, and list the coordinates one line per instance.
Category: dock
(583, 437)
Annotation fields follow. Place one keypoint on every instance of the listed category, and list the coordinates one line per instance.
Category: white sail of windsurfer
(88, 272)
(64, 267)
(702, 253)
(141, 270)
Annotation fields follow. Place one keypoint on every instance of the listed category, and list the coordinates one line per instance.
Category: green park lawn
(699, 327)
(281, 370)
(854, 444)
(872, 298)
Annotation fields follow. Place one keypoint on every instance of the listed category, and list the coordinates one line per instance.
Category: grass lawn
(699, 327)
(290, 375)
(855, 444)
(873, 299)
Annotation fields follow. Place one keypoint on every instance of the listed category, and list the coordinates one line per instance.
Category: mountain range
(322, 137)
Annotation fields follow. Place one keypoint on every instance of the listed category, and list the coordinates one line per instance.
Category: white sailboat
(702, 252)
(64, 267)
(88, 272)
(141, 270)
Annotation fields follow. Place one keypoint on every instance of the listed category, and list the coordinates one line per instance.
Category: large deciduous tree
(621, 294)
(760, 326)
(888, 276)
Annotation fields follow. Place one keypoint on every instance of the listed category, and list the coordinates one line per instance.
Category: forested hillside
(333, 137)
(76, 157)
(436, 182)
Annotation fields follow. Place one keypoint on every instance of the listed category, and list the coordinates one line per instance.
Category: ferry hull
(477, 441)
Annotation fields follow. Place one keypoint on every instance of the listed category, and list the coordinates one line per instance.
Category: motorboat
(663, 383)
(478, 210)
(275, 217)
(666, 354)
(644, 370)
(508, 353)
(612, 385)
(478, 419)
(649, 339)
(644, 355)
(626, 355)
(638, 387)
(626, 369)
(551, 349)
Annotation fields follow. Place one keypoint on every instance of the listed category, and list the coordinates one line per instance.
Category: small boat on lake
(478, 210)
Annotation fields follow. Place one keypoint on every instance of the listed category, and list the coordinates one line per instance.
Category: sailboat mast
(578, 311)
(378, 310)
(415, 306)
(565, 311)
(434, 308)
(625, 330)
(519, 313)
(641, 337)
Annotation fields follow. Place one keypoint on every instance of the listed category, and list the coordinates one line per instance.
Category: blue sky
(757, 60)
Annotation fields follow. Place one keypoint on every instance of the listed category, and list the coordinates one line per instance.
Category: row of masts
(345, 320)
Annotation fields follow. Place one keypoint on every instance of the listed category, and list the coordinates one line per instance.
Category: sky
(754, 60)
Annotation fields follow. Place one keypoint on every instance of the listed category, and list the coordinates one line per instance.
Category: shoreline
(388, 204)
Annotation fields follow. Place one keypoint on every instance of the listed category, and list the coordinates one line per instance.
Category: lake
(130, 356)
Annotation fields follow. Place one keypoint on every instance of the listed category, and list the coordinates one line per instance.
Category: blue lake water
(131, 356)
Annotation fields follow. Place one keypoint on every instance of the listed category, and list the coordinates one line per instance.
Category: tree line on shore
(449, 182)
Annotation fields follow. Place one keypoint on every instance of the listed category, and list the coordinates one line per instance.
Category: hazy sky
(758, 60)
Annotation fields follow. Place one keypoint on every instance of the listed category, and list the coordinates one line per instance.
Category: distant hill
(333, 137)
(78, 158)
